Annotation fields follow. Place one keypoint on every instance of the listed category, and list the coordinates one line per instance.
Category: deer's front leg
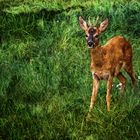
(94, 93)
(109, 88)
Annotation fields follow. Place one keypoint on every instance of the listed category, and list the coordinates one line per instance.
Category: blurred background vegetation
(46, 83)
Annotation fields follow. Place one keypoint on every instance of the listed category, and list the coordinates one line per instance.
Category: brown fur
(108, 60)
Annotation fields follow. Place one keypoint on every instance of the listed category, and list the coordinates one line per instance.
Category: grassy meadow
(45, 78)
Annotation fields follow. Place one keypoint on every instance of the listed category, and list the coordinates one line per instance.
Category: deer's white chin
(90, 47)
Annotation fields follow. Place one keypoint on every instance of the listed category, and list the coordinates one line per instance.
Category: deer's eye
(86, 36)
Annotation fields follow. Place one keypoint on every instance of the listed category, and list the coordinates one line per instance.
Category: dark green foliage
(45, 76)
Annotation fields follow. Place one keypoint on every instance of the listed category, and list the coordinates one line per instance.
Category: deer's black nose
(90, 43)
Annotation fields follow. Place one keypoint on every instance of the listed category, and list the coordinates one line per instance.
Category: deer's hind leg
(129, 69)
(122, 80)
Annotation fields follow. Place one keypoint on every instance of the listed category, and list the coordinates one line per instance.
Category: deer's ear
(83, 23)
(103, 25)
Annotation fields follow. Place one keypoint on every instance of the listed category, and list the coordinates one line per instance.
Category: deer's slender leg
(94, 93)
(109, 87)
(129, 69)
(122, 80)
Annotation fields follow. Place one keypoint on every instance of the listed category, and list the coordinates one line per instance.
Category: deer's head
(92, 32)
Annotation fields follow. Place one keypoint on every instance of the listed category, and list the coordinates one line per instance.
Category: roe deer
(107, 60)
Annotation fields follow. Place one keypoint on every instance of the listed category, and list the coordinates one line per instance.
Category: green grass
(45, 76)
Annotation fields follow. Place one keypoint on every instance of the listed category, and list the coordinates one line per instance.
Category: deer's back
(118, 49)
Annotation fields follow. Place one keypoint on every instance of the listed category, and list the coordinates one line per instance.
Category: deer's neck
(97, 60)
